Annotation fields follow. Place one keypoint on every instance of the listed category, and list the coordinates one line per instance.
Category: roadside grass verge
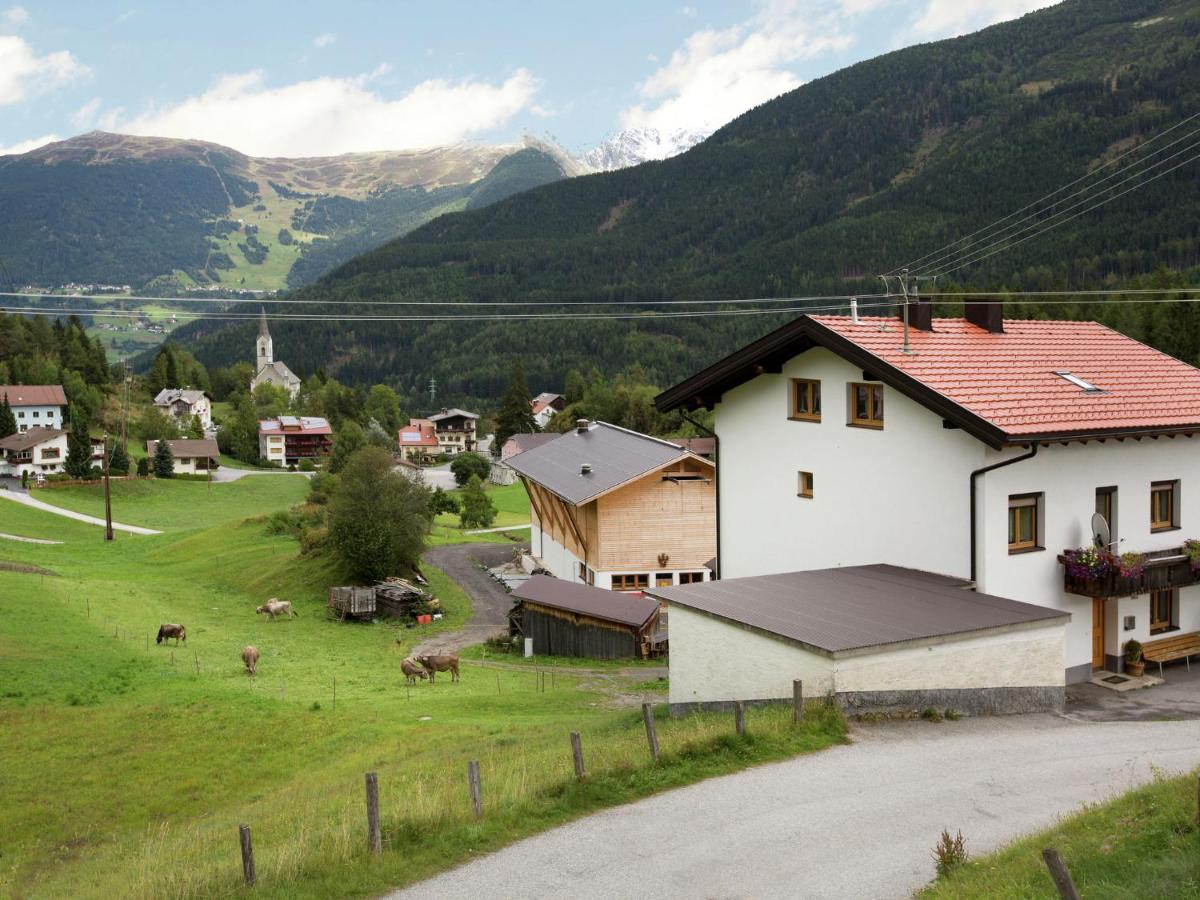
(1144, 843)
(25, 521)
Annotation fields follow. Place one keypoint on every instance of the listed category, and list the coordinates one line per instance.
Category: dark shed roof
(615, 455)
(858, 606)
(627, 609)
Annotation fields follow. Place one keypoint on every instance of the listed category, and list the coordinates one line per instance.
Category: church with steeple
(268, 370)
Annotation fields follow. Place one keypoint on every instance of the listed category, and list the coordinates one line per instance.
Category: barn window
(664, 579)
(637, 582)
(806, 400)
(691, 577)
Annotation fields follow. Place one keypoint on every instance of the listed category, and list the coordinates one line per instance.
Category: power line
(923, 259)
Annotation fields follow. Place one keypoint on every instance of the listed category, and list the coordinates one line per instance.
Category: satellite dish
(1100, 532)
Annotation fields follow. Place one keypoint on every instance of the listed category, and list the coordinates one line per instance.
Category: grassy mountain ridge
(177, 213)
(816, 191)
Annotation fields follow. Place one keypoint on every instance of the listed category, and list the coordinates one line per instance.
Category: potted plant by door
(1134, 664)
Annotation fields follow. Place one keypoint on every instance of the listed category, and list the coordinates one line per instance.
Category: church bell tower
(266, 355)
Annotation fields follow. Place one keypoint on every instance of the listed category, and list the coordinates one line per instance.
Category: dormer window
(1078, 382)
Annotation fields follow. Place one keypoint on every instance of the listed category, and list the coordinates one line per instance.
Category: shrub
(1133, 651)
(25, 478)
(118, 461)
(950, 853)
(143, 467)
(307, 465)
(477, 511)
(466, 465)
(441, 502)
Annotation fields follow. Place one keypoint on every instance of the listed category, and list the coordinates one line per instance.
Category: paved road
(25, 540)
(855, 821)
(228, 473)
(1177, 698)
(21, 497)
(461, 562)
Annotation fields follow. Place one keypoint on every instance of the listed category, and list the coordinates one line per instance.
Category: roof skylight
(1078, 382)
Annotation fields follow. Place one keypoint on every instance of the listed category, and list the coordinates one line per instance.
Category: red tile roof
(34, 394)
(1010, 379)
(294, 425)
(418, 433)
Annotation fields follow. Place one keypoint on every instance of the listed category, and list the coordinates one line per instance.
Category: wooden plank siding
(556, 632)
(653, 516)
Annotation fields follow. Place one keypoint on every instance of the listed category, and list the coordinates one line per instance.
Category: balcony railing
(1165, 570)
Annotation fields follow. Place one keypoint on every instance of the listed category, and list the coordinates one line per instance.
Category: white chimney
(585, 468)
(581, 426)
(854, 310)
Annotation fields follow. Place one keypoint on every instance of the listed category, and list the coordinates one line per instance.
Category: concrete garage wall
(714, 662)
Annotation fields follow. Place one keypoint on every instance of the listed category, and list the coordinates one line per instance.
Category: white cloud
(85, 116)
(950, 18)
(23, 72)
(31, 144)
(324, 40)
(328, 116)
(718, 74)
(16, 15)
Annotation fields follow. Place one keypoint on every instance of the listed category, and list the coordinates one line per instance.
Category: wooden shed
(570, 619)
(352, 602)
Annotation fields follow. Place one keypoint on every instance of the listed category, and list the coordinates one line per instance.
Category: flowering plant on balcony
(1131, 565)
(1090, 562)
(1191, 549)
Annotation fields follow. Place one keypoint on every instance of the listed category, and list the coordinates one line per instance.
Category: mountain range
(634, 146)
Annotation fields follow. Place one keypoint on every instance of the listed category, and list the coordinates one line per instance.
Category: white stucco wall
(554, 556)
(34, 416)
(897, 495)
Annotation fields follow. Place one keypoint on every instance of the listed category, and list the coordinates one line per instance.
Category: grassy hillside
(127, 767)
(816, 191)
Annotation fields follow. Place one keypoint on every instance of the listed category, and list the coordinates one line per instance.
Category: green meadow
(128, 766)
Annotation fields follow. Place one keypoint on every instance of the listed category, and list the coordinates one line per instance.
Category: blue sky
(307, 78)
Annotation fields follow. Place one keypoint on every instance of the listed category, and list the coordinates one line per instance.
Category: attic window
(1078, 382)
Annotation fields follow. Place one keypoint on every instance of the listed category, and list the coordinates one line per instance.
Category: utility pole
(108, 529)
(432, 392)
(125, 405)
(904, 290)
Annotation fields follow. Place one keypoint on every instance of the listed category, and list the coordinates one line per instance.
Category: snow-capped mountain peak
(638, 145)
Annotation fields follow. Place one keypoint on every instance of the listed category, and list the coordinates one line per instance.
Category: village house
(455, 430)
(288, 440)
(519, 443)
(979, 449)
(418, 441)
(182, 404)
(36, 405)
(192, 457)
(619, 510)
(267, 369)
(35, 450)
(545, 406)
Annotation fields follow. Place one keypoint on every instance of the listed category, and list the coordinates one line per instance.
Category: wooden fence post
(577, 753)
(739, 717)
(651, 734)
(797, 700)
(247, 854)
(476, 787)
(374, 838)
(1061, 874)
(335, 694)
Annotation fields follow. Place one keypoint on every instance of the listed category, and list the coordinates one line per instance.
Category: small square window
(804, 485)
(805, 400)
(1164, 505)
(866, 405)
(1024, 522)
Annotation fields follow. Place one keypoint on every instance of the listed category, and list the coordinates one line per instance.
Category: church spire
(262, 323)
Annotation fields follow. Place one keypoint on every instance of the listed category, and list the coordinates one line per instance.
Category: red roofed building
(980, 449)
(418, 440)
(36, 405)
(289, 439)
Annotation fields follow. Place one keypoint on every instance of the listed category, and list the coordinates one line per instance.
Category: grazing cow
(250, 658)
(412, 670)
(435, 664)
(166, 632)
(275, 607)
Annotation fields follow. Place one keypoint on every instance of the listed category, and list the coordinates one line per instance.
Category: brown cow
(435, 664)
(412, 670)
(250, 659)
(275, 607)
(166, 632)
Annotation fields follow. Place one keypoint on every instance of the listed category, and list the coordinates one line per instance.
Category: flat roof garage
(875, 637)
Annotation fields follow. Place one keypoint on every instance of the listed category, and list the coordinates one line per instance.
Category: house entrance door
(1097, 633)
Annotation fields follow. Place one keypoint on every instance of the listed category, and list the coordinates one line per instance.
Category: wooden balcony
(1165, 570)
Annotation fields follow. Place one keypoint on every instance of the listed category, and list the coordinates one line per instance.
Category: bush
(118, 461)
(307, 465)
(950, 853)
(441, 502)
(467, 464)
(143, 467)
(478, 511)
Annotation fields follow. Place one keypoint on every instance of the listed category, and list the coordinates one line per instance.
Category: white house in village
(981, 453)
(455, 430)
(36, 405)
(544, 406)
(191, 456)
(182, 404)
(34, 450)
(269, 370)
(619, 510)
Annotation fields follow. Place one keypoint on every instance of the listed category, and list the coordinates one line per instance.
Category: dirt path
(465, 565)
(69, 514)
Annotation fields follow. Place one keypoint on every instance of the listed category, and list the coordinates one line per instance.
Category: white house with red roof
(981, 450)
(418, 440)
(288, 440)
(544, 406)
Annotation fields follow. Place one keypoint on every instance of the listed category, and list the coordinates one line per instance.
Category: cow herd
(413, 667)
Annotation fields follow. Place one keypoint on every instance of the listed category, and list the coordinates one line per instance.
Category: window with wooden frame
(638, 582)
(805, 400)
(51, 452)
(1162, 610)
(1164, 505)
(866, 405)
(691, 577)
(1106, 505)
(804, 485)
(1024, 522)
(583, 572)
(664, 579)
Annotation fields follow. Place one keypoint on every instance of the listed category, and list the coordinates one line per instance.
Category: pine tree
(164, 461)
(118, 461)
(195, 429)
(79, 448)
(8, 421)
(516, 411)
(143, 467)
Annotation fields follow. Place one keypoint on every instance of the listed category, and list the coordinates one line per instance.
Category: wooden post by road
(108, 529)
(739, 717)
(374, 837)
(1061, 874)
(476, 787)
(651, 734)
(577, 754)
(797, 700)
(247, 854)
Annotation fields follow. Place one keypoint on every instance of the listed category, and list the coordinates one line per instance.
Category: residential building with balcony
(975, 448)
(34, 450)
(182, 404)
(455, 430)
(289, 439)
(417, 441)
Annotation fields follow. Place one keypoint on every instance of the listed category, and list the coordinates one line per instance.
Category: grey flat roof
(526, 442)
(855, 607)
(616, 455)
(627, 609)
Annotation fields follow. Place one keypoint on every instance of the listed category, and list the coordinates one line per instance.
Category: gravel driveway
(461, 563)
(853, 821)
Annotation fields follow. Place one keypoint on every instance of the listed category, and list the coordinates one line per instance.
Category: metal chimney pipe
(581, 426)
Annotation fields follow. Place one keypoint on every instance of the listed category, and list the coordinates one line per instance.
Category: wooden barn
(571, 619)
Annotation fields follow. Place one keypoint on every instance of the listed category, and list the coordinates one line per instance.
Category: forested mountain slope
(814, 192)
